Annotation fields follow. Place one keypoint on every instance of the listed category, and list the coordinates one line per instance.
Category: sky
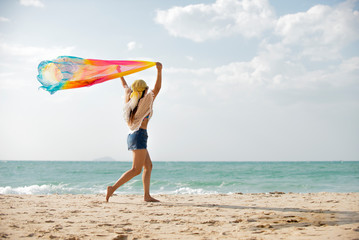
(260, 80)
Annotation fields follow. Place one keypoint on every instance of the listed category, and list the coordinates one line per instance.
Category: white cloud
(346, 73)
(243, 73)
(286, 73)
(266, 72)
(4, 19)
(33, 53)
(133, 45)
(317, 34)
(221, 19)
(322, 31)
(33, 3)
(15, 55)
(351, 64)
(190, 58)
(306, 56)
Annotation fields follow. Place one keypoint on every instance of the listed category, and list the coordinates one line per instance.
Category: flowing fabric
(67, 72)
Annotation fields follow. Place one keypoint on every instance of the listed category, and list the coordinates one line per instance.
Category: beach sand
(220, 216)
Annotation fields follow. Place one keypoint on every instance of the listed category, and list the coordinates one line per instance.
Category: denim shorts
(137, 140)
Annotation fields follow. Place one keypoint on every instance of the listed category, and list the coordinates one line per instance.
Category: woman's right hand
(159, 66)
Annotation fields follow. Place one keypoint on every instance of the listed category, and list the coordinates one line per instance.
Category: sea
(91, 177)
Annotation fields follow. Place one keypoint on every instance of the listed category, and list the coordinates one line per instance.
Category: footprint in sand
(105, 224)
(238, 220)
(72, 238)
(57, 227)
(120, 237)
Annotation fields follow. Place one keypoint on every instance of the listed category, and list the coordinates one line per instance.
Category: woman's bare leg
(146, 178)
(139, 157)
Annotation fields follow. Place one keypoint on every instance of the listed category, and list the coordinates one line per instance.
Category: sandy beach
(233, 216)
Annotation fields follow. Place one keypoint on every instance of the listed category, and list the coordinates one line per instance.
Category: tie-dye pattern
(67, 72)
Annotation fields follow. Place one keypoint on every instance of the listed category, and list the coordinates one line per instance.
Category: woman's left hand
(159, 65)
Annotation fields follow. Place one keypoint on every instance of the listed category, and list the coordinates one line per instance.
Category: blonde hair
(138, 87)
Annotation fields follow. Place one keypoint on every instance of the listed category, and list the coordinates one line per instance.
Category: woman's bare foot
(109, 193)
(150, 199)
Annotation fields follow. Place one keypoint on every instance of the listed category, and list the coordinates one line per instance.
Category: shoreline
(277, 215)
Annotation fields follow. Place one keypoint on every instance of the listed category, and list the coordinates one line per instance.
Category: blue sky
(242, 80)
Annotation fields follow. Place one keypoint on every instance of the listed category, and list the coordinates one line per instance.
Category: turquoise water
(60, 177)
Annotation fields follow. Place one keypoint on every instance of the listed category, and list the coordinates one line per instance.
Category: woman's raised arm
(127, 89)
(158, 84)
(124, 83)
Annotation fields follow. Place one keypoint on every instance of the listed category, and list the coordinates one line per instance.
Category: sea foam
(49, 189)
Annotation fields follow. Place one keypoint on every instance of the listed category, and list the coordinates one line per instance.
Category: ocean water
(80, 177)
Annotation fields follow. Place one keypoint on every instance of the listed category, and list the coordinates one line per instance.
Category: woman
(137, 113)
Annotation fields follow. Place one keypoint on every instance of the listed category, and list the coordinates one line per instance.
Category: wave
(66, 189)
(195, 191)
(49, 189)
